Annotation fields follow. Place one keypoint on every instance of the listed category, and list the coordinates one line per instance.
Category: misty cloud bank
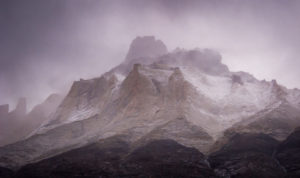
(46, 45)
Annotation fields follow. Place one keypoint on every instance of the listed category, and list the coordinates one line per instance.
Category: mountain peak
(21, 106)
(146, 46)
(188, 96)
(4, 109)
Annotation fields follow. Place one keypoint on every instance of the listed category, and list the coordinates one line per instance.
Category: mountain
(288, 153)
(244, 155)
(18, 124)
(10, 122)
(146, 46)
(112, 158)
(247, 155)
(187, 98)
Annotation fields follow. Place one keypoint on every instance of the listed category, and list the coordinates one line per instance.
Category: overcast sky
(47, 44)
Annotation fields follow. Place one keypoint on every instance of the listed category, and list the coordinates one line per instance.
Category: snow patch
(83, 113)
(120, 77)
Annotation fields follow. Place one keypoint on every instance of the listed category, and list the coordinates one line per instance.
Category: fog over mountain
(157, 114)
(46, 45)
(139, 88)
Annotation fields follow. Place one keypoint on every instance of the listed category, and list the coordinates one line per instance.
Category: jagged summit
(143, 50)
(188, 96)
(146, 46)
(148, 50)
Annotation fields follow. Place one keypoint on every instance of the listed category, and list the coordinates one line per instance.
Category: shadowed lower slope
(112, 158)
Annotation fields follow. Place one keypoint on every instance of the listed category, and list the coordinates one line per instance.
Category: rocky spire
(4, 110)
(146, 46)
(21, 107)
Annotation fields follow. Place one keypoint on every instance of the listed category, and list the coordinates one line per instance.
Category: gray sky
(47, 44)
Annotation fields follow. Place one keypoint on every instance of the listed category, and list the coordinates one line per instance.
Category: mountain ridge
(244, 155)
(187, 96)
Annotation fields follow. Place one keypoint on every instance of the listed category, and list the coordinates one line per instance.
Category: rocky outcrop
(85, 99)
(21, 108)
(4, 110)
(143, 50)
(18, 125)
(146, 46)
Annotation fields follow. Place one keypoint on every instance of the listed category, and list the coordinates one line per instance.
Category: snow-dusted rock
(187, 96)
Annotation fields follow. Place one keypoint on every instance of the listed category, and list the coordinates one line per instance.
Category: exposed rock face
(146, 46)
(236, 79)
(85, 99)
(186, 96)
(18, 125)
(143, 50)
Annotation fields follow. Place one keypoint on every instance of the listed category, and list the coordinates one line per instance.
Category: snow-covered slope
(188, 96)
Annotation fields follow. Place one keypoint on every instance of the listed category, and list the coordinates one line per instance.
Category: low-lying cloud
(45, 45)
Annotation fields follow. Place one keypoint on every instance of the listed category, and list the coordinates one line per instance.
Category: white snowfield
(234, 101)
